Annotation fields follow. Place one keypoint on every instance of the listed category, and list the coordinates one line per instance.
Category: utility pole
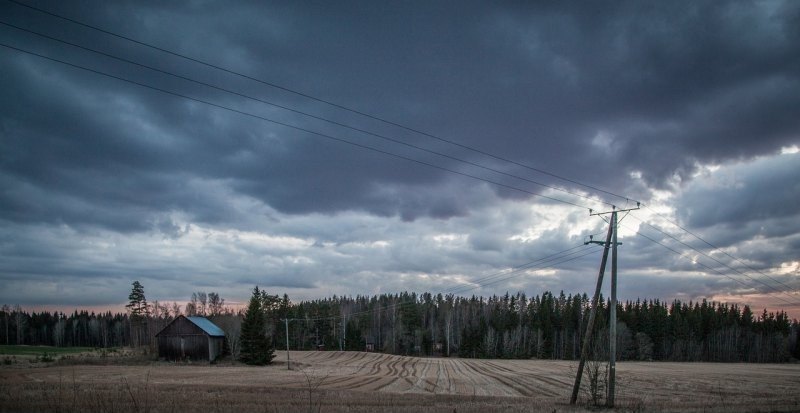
(587, 337)
(288, 365)
(611, 242)
(447, 325)
(612, 343)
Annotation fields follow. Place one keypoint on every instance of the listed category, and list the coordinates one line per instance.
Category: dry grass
(368, 382)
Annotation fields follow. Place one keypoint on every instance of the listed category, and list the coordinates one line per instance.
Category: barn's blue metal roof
(207, 326)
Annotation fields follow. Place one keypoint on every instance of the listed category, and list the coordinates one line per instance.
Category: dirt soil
(371, 382)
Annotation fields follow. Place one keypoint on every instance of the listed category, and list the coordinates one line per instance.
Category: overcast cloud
(689, 107)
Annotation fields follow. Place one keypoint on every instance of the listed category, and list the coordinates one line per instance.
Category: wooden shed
(193, 338)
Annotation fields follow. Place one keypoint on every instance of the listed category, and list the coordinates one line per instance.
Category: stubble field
(370, 382)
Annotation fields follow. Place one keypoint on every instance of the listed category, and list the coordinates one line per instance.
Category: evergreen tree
(139, 312)
(137, 305)
(256, 347)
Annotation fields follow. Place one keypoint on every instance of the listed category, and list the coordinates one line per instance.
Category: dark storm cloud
(737, 195)
(667, 86)
(629, 96)
(673, 85)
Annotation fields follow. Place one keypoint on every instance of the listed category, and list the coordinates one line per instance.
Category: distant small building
(192, 338)
(370, 347)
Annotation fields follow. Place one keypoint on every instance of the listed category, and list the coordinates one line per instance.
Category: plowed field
(370, 382)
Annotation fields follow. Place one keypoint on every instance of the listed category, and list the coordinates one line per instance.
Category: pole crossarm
(598, 243)
(592, 213)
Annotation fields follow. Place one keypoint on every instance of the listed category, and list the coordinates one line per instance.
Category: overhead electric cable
(374, 117)
(716, 248)
(519, 267)
(377, 118)
(521, 271)
(333, 122)
(712, 258)
(517, 271)
(302, 129)
(639, 233)
(308, 96)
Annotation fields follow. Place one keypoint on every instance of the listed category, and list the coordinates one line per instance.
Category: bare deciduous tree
(216, 304)
(6, 312)
(176, 310)
(313, 380)
(231, 324)
(20, 321)
(596, 370)
(202, 303)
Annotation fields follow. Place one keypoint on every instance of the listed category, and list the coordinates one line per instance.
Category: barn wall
(215, 347)
(192, 347)
(182, 339)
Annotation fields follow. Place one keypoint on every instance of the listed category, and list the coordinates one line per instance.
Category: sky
(321, 148)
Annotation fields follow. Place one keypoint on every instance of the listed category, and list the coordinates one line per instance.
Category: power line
(517, 271)
(316, 318)
(715, 248)
(290, 109)
(520, 267)
(482, 282)
(355, 111)
(327, 102)
(639, 233)
(302, 129)
(311, 132)
(712, 258)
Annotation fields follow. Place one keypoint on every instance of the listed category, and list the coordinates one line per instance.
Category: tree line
(545, 326)
(134, 328)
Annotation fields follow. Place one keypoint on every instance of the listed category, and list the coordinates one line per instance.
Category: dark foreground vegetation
(509, 326)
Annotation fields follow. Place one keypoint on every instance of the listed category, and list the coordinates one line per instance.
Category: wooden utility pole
(612, 328)
(587, 337)
(447, 326)
(611, 242)
(344, 333)
(288, 365)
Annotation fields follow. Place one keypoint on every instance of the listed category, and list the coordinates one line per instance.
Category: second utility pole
(288, 363)
(612, 328)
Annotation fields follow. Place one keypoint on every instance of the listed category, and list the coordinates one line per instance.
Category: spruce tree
(139, 312)
(137, 305)
(256, 347)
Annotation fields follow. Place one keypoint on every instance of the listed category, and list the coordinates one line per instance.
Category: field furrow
(360, 381)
